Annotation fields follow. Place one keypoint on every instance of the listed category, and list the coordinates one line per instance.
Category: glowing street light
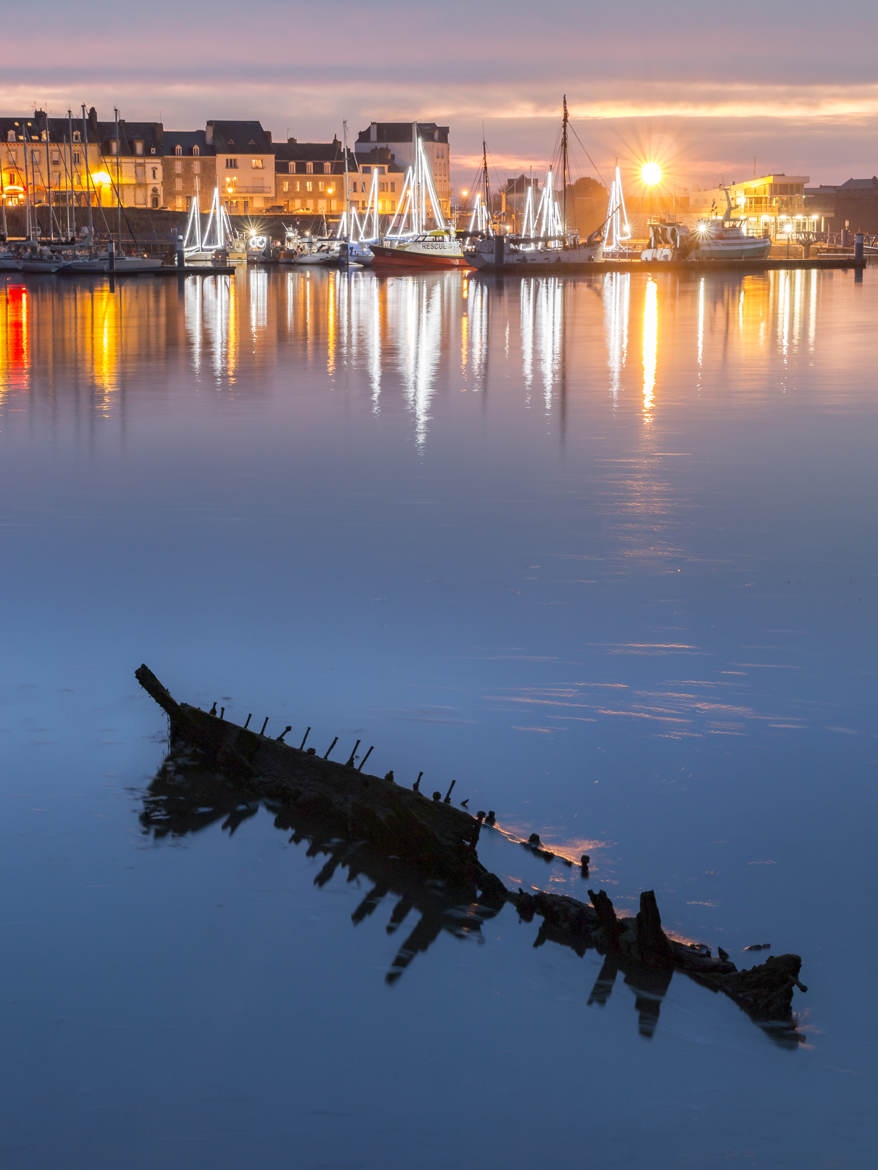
(650, 174)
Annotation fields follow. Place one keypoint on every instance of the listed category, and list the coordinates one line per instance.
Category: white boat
(37, 259)
(509, 253)
(725, 239)
(138, 264)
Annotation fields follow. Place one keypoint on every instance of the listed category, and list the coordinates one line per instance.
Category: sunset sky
(708, 91)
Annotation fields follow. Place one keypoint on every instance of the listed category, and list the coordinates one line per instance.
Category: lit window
(256, 164)
(231, 164)
(178, 149)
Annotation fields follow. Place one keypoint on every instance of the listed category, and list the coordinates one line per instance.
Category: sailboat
(551, 243)
(408, 243)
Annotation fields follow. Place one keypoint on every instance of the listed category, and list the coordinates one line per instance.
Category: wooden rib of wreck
(437, 842)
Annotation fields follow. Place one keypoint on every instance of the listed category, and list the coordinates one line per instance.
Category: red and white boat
(438, 249)
(409, 243)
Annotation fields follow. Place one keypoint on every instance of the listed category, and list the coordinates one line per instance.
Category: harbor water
(601, 549)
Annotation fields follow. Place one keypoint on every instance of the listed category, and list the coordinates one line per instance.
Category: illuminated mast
(616, 226)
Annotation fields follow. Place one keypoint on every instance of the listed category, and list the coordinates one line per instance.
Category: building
(399, 138)
(188, 165)
(46, 157)
(244, 165)
(850, 206)
(768, 205)
(139, 174)
(310, 179)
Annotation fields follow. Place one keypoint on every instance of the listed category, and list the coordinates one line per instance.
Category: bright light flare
(101, 178)
(650, 174)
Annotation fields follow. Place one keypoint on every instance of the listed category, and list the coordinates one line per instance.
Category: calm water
(603, 550)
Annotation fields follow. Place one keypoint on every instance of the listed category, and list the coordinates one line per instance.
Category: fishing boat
(713, 238)
(409, 243)
(725, 239)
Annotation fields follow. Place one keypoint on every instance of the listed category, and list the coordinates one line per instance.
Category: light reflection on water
(597, 548)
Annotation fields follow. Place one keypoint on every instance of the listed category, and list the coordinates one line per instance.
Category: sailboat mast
(564, 163)
(49, 182)
(3, 226)
(91, 225)
(118, 188)
(28, 224)
(485, 178)
(71, 207)
(347, 190)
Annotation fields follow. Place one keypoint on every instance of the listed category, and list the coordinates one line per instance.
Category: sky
(714, 95)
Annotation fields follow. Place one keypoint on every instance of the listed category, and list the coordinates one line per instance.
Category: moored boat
(436, 249)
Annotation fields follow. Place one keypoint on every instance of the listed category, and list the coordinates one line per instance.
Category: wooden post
(448, 793)
(365, 757)
(304, 737)
(249, 717)
(285, 730)
(331, 746)
(350, 762)
(264, 725)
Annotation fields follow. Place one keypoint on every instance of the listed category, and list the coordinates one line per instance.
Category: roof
(186, 139)
(859, 184)
(149, 133)
(231, 137)
(402, 132)
(294, 151)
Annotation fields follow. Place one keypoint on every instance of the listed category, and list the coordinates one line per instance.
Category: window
(75, 135)
(77, 158)
(155, 172)
(392, 188)
(196, 166)
(138, 146)
(309, 168)
(178, 149)
(34, 157)
(298, 185)
(327, 168)
(291, 167)
(309, 186)
(320, 185)
(354, 185)
(178, 165)
(256, 164)
(196, 150)
(231, 164)
(285, 185)
(56, 160)
(178, 184)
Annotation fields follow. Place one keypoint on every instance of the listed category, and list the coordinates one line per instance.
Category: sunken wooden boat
(419, 845)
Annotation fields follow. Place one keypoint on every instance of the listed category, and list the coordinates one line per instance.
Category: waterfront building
(244, 161)
(188, 164)
(398, 138)
(771, 205)
(850, 206)
(139, 175)
(310, 179)
(40, 154)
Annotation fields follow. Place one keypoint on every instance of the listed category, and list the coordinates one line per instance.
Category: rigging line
(588, 156)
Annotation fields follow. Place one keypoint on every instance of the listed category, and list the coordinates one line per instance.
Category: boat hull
(388, 256)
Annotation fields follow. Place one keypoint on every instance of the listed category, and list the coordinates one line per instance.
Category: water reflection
(414, 336)
(186, 798)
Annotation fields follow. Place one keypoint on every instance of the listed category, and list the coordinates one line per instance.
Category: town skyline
(714, 95)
